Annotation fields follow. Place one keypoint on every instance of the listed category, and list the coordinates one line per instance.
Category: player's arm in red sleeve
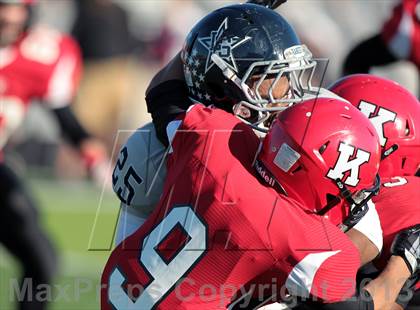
(320, 262)
(324, 263)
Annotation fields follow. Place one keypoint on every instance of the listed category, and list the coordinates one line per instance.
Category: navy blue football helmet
(231, 54)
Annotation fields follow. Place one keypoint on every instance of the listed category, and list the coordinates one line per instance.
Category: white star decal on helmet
(223, 47)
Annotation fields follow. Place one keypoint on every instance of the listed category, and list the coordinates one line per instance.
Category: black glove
(271, 4)
(407, 291)
(407, 245)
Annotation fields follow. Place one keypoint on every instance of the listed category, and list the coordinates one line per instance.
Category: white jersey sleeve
(370, 226)
(140, 171)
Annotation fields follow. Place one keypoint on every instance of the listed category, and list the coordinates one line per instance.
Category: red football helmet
(324, 153)
(394, 112)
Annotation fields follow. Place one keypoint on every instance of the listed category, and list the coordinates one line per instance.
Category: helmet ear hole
(323, 147)
(407, 129)
(403, 162)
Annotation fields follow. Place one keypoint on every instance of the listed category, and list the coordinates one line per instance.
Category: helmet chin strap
(354, 217)
(358, 208)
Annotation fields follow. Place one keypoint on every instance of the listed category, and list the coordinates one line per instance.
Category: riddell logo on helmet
(264, 174)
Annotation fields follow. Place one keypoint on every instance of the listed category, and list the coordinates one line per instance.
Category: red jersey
(402, 31)
(43, 64)
(398, 206)
(218, 232)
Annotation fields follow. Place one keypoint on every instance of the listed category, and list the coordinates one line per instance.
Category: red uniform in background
(217, 230)
(43, 64)
(402, 31)
(398, 206)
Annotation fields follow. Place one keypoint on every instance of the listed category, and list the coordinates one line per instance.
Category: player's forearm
(396, 306)
(92, 151)
(387, 286)
(367, 250)
(70, 125)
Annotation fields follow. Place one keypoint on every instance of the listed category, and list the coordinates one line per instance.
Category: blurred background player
(398, 40)
(110, 68)
(36, 63)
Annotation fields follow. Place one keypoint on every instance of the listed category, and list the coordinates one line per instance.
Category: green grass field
(81, 223)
